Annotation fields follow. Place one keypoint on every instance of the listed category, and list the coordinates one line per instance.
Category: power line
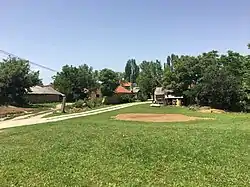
(33, 63)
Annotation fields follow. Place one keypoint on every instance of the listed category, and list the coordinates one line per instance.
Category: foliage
(16, 78)
(211, 79)
(75, 81)
(142, 96)
(100, 151)
(212, 92)
(127, 99)
(94, 102)
(79, 104)
(109, 81)
(151, 76)
(131, 71)
(120, 76)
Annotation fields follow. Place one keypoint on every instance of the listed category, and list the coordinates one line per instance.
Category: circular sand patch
(156, 117)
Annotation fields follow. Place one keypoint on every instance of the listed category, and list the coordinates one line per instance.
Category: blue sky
(106, 33)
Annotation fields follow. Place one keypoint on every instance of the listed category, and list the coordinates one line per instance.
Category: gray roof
(39, 90)
(162, 91)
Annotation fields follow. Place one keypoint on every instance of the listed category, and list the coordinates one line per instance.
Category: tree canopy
(109, 81)
(16, 78)
(151, 76)
(220, 81)
(73, 80)
(131, 71)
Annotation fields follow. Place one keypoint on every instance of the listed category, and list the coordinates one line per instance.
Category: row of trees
(211, 79)
(78, 82)
(221, 81)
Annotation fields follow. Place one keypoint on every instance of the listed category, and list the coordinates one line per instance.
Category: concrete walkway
(39, 118)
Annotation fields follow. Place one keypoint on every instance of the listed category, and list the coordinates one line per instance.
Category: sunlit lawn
(98, 150)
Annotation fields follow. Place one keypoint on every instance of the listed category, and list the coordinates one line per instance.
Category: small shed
(160, 94)
(166, 97)
(41, 94)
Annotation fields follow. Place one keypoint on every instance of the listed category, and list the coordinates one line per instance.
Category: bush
(91, 103)
(142, 97)
(126, 99)
(79, 104)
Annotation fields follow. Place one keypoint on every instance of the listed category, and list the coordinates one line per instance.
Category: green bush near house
(79, 104)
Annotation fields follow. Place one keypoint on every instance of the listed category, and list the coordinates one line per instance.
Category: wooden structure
(165, 97)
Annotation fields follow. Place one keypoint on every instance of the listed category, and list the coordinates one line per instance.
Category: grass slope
(98, 150)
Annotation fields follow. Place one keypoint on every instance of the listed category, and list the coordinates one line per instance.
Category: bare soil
(156, 117)
(7, 110)
(216, 111)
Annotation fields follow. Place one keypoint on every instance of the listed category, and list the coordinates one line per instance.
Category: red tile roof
(126, 84)
(121, 89)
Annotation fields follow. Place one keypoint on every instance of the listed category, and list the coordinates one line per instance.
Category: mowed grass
(100, 151)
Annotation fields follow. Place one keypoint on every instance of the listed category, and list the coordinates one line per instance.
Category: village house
(43, 94)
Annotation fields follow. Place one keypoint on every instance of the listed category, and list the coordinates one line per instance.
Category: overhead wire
(33, 63)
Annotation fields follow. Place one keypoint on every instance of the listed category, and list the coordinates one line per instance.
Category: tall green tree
(16, 78)
(150, 77)
(109, 81)
(131, 71)
(210, 79)
(72, 81)
(219, 88)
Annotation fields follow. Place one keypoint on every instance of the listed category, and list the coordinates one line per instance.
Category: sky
(106, 33)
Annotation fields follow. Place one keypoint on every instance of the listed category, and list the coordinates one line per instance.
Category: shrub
(142, 97)
(126, 99)
(79, 104)
(91, 103)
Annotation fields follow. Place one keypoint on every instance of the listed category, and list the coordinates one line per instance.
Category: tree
(16, 78)
(120, 75)
(211, 79)
(109, 81)
(74, 81)
(131, 71)
(150, 77)
(220, 89)
(248, 45)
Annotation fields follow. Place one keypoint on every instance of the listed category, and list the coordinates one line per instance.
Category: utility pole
(63, 104)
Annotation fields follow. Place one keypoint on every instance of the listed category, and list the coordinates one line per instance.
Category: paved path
(39, 118)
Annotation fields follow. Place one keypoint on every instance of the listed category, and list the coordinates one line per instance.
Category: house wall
(115, 99)
(43, 98)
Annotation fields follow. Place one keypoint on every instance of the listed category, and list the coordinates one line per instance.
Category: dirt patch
(156, 117)
(210, 110)
(8, 110)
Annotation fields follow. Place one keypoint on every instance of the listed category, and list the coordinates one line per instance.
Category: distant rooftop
(39, 90)
(123, 90)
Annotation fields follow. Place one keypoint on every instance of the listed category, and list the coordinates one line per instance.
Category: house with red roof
(122, 90)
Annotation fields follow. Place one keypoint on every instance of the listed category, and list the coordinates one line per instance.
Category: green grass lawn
(100, 151)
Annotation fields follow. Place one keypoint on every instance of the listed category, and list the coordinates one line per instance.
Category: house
(43, 94)
(119, 92)
(122, 90)
(127, 85)
(166, 97)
